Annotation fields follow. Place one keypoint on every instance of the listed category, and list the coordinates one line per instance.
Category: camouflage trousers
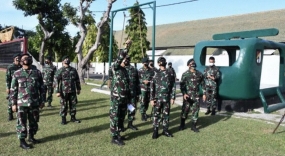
(190, 105)
(68, 100)
(32, 115)
(211, 94)
(131, 115)
(118, 107)
(49, 91)
(9, 110)
(144, 100)
(161, 114)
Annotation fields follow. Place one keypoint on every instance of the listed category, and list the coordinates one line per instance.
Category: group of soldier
(26, 88)
(158, 88)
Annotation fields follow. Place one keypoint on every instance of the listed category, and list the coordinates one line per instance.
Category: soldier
(162, 94)
(48, 77)
(172, 71)
(67, 85)
(189, 86)
(211, 75)
(27, 96)
(134, 91)
(9, 73)
(145, 76)
(120, 92)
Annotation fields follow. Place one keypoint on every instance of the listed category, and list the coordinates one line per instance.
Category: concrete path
(258, 114)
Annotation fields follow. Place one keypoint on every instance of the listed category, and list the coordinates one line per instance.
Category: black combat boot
(155, 133)
(166, 132)
(32, 139)
(121, 126)
(63, 120)
(116, 140)
(131, 126)
(193, 128)
(213, 111)
(10, 116)
(121, 137)
(23, 144)
(182, 124)
(73, 119)
(144, 117)
(208, 111)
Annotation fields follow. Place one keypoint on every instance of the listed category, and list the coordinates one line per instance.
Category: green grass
(219, 135)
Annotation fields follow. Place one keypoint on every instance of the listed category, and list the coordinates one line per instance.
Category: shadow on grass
(205, 121)
(2, 135)
(95, 117)
(84, 131)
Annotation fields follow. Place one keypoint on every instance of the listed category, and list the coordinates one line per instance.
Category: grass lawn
(219, 135)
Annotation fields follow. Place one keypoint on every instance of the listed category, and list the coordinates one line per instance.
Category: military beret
(161, 59)
(169, 63)
(145, 60)
(189, 61)
(16, 55)
(48, 58)
(25, 54)
(64, 57)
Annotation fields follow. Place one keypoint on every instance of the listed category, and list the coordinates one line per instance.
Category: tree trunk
(136, 65)
(104, 72)
(41, 55)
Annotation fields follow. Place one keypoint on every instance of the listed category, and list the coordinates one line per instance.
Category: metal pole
(111, 39)
(153, 30)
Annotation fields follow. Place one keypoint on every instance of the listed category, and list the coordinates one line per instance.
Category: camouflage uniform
(48, 77)
(173, 74)
(189, 85)
(9, 73)
(27, 92)
(67, 83)
(120, 97)
(134, 89)
(211, 86)
(162, 90)
(145, 74)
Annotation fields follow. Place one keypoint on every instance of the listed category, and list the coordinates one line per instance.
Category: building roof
(191, 32)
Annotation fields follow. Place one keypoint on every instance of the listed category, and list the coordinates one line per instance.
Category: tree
(136, 31)
(49, 15)
(81, 21)
(103, 51)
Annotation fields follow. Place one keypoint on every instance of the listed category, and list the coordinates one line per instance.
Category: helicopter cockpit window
(224, 56)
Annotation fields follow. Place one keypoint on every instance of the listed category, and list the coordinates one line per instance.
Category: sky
(195, 10)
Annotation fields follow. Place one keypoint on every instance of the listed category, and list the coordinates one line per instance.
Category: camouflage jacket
(134, 81)
(145, 74)
(66, 80)
(161, 87)
(190, 82)
(211, 71)
(27, 88)
(119, 81)
(48, 74)
(9, 73)
(173, 74)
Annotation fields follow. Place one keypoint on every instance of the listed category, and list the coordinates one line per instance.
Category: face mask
(212, 64)
(127, 62)
(27, 61)
(193, 65)
(67, 61)
(145, 64)
(170, 66)
(151, 64)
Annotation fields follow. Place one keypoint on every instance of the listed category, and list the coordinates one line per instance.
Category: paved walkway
(272, 118)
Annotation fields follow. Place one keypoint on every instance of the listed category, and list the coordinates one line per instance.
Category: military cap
(16, 55)
(64, 57)
(190, 60)
(145, 60)
(170, 63)
(161, 59)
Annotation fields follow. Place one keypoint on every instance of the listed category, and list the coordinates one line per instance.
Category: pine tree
(136, 31)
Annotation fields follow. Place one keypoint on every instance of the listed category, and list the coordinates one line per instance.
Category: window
(224, 56)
